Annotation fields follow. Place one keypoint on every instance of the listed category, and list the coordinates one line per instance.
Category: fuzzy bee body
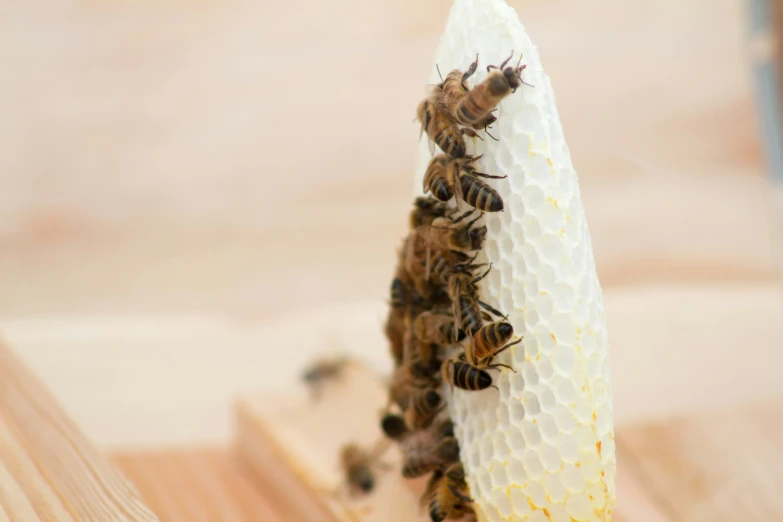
(422, 409)
(357, 466)
(488, 342)
(474, 107)
(424, 458)
(478, 194)
(465, 376)
(425, 211)
(447, 497)
(437, 328)
(440, 129)
(445, 234)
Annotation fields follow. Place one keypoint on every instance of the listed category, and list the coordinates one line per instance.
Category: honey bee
(488, 342)
(464, 295)
(425, 210)
(447, 497)
(441, 130)
(425, 452)
(358, 464)
(394, 426)
(422, 409)
(444, 262)
(317, 375)
(438, 328)
(453, 89)
(444, 234)
(443, 174)
(474, 107)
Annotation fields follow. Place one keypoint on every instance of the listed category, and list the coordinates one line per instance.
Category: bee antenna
(502, 65)
(520, 76)
(439, 74)
(520, 60)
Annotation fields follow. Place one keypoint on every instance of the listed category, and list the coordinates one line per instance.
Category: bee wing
(431, 144)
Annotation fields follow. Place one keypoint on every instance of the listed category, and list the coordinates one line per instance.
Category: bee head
(513, 76)
(455, 473)
(477, 237)
(498, 83)
(366, 483)
(393, 426)
(433, 398)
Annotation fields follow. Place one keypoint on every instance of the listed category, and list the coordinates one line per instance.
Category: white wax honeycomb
(542, 448)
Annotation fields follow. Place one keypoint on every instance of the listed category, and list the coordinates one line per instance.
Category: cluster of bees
(438, 328)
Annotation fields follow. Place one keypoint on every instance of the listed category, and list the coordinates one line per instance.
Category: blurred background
(198, 198)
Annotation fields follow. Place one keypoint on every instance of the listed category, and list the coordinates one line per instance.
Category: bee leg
(503, 65)
(471, 133)
(470, 223)
(427, 264)
(506, 347)
(500, 365)
(488, 176)
(464, 215)
(457, 493)
(482, 276)
(491, 310)
(486, 129)
(519, 73)
(469, 72)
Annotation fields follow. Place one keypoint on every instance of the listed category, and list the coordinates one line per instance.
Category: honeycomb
(541, 448)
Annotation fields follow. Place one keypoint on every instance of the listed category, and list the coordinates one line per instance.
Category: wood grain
(48, 470)
(193, 484)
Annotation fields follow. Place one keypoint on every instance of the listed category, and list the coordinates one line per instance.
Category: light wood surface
(198, 485)
(48, 470)
(147, 164)
(674, 348)
(719, 466)
(291, 446)
(214, 483)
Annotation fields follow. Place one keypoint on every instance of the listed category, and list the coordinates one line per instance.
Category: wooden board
(212, 484)
(49, 471)
(721, 466)
(290, 447)
(198, 485)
